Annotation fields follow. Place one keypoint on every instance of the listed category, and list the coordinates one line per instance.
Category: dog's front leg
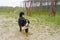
(26, 30)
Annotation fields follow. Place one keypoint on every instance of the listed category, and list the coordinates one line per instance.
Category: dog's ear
(28, 21)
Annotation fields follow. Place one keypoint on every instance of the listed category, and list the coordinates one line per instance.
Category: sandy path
(9, 30)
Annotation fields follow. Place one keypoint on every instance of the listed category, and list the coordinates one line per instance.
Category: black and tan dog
(23, 23)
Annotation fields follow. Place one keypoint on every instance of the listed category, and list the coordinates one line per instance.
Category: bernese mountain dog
(23, 23)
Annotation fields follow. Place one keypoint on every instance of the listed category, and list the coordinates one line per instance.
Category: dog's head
(27, 22)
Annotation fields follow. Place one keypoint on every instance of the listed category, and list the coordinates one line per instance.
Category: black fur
(21, 14)
(22, 21)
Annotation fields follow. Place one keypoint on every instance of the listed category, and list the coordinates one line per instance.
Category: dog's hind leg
(20, 28)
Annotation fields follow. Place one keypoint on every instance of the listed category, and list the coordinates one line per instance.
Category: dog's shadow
(24, 34)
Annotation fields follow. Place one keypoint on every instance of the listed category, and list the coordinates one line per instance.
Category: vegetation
(42, 26)
(14, 12)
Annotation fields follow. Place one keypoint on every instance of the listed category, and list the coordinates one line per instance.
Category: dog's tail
(21, 14)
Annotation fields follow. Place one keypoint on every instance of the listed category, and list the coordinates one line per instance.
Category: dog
(23, 23)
